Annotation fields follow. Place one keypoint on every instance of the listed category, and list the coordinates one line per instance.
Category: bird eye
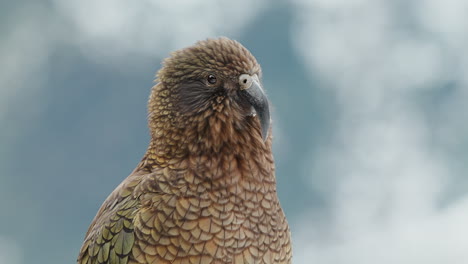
(211, 79)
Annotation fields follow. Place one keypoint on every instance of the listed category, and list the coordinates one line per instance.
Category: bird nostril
(245, 80)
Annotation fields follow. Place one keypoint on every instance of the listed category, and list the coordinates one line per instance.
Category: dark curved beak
(256, 96)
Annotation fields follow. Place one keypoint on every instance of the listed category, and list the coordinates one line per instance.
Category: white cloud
(386, 170)
(24, 50)
(432, 239)
(9, 251)
(123, 28)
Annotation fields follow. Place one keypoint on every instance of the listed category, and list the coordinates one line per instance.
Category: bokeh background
(370, 118)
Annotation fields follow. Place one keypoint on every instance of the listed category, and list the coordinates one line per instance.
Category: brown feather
(205, 191)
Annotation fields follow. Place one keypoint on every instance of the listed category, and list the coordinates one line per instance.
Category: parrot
(205, 190)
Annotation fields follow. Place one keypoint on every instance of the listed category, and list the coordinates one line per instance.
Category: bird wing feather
(110, 237)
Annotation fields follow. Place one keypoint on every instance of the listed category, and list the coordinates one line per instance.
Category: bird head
(213, 87)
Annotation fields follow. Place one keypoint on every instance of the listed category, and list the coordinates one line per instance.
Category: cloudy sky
(370, 119)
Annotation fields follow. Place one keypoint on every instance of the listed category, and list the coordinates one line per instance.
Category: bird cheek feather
(217, 104)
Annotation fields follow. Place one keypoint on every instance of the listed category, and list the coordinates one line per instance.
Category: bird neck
(214, 148)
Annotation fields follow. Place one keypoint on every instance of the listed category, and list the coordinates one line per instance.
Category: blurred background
(370, 118)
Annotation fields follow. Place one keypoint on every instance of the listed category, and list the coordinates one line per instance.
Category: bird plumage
(205, 190)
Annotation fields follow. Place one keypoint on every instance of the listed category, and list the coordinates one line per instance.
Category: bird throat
(212, 148)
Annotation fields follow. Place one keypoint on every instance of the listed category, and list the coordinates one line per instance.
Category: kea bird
(205, 190)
